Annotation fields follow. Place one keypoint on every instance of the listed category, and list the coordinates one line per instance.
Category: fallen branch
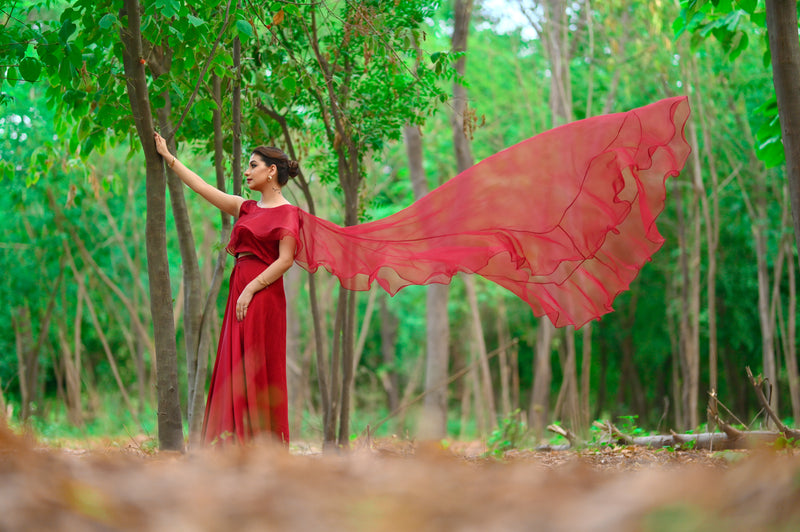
(568, 434)
(703, 440)
(758, 385)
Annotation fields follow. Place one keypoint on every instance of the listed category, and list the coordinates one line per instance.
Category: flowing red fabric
(565, 220)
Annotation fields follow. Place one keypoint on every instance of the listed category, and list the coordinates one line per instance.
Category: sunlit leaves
(769, 143)
(732, 22)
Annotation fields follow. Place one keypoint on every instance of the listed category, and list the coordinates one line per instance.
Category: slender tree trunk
(388, 376)
(192, 287)
(433, 424)
(72, 379)
(790, 352)
(539, 412)
(504, 339)
(693, 362)
(466, 397)
(712, 223)
(785, 52)
(567, 408)
(552, 23)
(294, 363)
(348, 363)
(331, 416)
(685, 348)
(487, 390)
(170, 424)
(463, 14)
(27, 361)
(586, 376)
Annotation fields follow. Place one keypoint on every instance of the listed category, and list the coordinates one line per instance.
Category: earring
(269, 178)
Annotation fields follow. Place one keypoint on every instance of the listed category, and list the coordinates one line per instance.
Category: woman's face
(258, 173)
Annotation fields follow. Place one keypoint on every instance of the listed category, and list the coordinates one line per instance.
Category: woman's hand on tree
(161, 145)
(242, 303)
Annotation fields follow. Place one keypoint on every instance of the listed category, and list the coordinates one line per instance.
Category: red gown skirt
(247, 398)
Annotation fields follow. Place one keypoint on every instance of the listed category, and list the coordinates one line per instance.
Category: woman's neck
(271, 197)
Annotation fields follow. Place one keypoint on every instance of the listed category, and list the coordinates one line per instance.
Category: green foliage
(732, 23)
(627, 425)
(512, 433)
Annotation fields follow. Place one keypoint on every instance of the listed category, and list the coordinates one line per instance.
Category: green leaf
(741, 44)
(748, 5)
(290, 84)
(12, 76)
(67, 29)
(245, 29)
(176, 32)
(30, 68)
(107, 21)
(770, 152)
(195, 21)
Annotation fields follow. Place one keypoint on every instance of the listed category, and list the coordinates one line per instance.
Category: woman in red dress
(247, 397)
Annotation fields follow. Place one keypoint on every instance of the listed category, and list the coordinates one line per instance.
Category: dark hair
(286, 167)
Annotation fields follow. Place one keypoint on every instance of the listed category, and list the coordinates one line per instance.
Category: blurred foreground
(394, 485)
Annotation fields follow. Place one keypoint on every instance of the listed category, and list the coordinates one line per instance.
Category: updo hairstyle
(286, 168)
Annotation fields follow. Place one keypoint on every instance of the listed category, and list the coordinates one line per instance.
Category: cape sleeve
(565, 220)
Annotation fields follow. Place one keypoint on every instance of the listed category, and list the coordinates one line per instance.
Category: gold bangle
(172, 163)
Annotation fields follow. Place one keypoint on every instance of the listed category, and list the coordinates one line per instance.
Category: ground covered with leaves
(394, 485)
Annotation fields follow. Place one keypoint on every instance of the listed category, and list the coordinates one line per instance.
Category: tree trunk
(785, 53)
(586, 376)
(170, 424)
(433, 423)
(567, 408)
(27, 361)
(388, 376)
(790, 351)
(554, 29)
(712, 225)
(487, 391)
(192, 288)
(461, 143)
(504, 339)
(539, 413)
(294, 364)
(72, 379)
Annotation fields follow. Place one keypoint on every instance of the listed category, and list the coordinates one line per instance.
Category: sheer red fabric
(565, 220)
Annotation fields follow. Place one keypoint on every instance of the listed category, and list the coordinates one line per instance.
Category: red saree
(565, 220)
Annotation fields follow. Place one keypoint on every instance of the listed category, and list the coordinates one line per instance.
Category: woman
(247, 397)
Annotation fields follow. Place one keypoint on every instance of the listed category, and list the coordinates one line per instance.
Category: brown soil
(394, 485)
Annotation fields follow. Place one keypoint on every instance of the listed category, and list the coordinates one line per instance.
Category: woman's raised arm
(221, 200)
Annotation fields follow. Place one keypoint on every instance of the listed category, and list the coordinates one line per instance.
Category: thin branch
(202, 72)
(758, 384)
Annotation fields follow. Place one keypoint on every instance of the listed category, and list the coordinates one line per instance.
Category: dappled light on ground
(394, 485)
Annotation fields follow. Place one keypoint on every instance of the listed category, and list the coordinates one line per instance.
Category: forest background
(378, 101)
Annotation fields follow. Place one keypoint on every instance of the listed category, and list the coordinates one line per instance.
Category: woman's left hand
(242, 303)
